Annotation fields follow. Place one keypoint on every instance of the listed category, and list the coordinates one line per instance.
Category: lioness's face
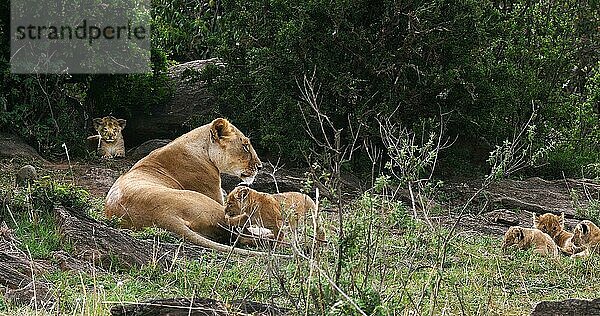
(232, 152)
(549, 223)
(109, 128)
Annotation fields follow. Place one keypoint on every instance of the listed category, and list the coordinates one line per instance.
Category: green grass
(476, 279)
(392, 265)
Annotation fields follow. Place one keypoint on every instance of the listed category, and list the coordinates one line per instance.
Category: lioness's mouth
(247, 180)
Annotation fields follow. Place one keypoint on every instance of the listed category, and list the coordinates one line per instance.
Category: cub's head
(232, 152)
(549, 223)
(582, 234)
(237, 201)
(513, 236)
(109, 127)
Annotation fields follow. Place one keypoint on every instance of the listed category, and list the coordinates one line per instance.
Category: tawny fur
(109, 141)
(554, 225)
(178, 187)
(272, 211)
(525, 238)
(587, 236)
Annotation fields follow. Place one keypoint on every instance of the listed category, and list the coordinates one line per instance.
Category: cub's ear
(520, 234)
(97, 123)
(242, 192)
(220, 129)
(584, 228)
(122, 123)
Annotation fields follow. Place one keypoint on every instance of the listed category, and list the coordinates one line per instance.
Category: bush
(49, 110)
(482, 61)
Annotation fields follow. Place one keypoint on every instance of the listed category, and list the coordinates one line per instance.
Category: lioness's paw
(261, 232)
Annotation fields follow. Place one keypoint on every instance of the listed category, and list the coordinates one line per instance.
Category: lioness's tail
(200, 240)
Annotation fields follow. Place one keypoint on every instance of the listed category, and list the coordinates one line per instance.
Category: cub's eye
(246, 147)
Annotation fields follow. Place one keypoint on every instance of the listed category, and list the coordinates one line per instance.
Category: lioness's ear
(242, 193)
(536, 219)
(97, 122)
(122, 123)
(220, 129)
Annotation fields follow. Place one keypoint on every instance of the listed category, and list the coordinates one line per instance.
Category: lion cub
(525, 238)
(554, 225)
(109, 141)
(270, 211)
(587, 236)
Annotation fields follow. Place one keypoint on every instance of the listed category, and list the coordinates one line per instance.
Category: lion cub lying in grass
(587, 236)
(525, 238)
(554, 225)
(268, 211)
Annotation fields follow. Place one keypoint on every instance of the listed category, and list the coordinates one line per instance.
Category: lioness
(178, 187)
(270, 211)
(525, 238)
(554, 226)
(587, 236)
(109, 141)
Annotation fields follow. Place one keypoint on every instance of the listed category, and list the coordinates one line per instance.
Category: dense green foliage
(483, 62)
(487, 63)
(51, 110)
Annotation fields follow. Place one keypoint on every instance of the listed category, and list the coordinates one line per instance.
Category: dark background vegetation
(484, 63)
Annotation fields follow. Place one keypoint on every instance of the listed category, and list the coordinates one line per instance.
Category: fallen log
(195, 307)
(18, 276)
(570, 306)
(99, 243)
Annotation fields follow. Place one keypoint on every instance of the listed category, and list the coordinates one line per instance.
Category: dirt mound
(12, 146)
(513, 202)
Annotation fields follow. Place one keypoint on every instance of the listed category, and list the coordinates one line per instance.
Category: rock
(285, 180)
(570, 306)
(541, 196)
(12, 146)
(504, 217)
(513, 202)
(26, 175)
(96, 180)
(146, 148)
(190, 99)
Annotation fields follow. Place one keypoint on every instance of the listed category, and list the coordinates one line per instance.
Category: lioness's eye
(246, 147)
